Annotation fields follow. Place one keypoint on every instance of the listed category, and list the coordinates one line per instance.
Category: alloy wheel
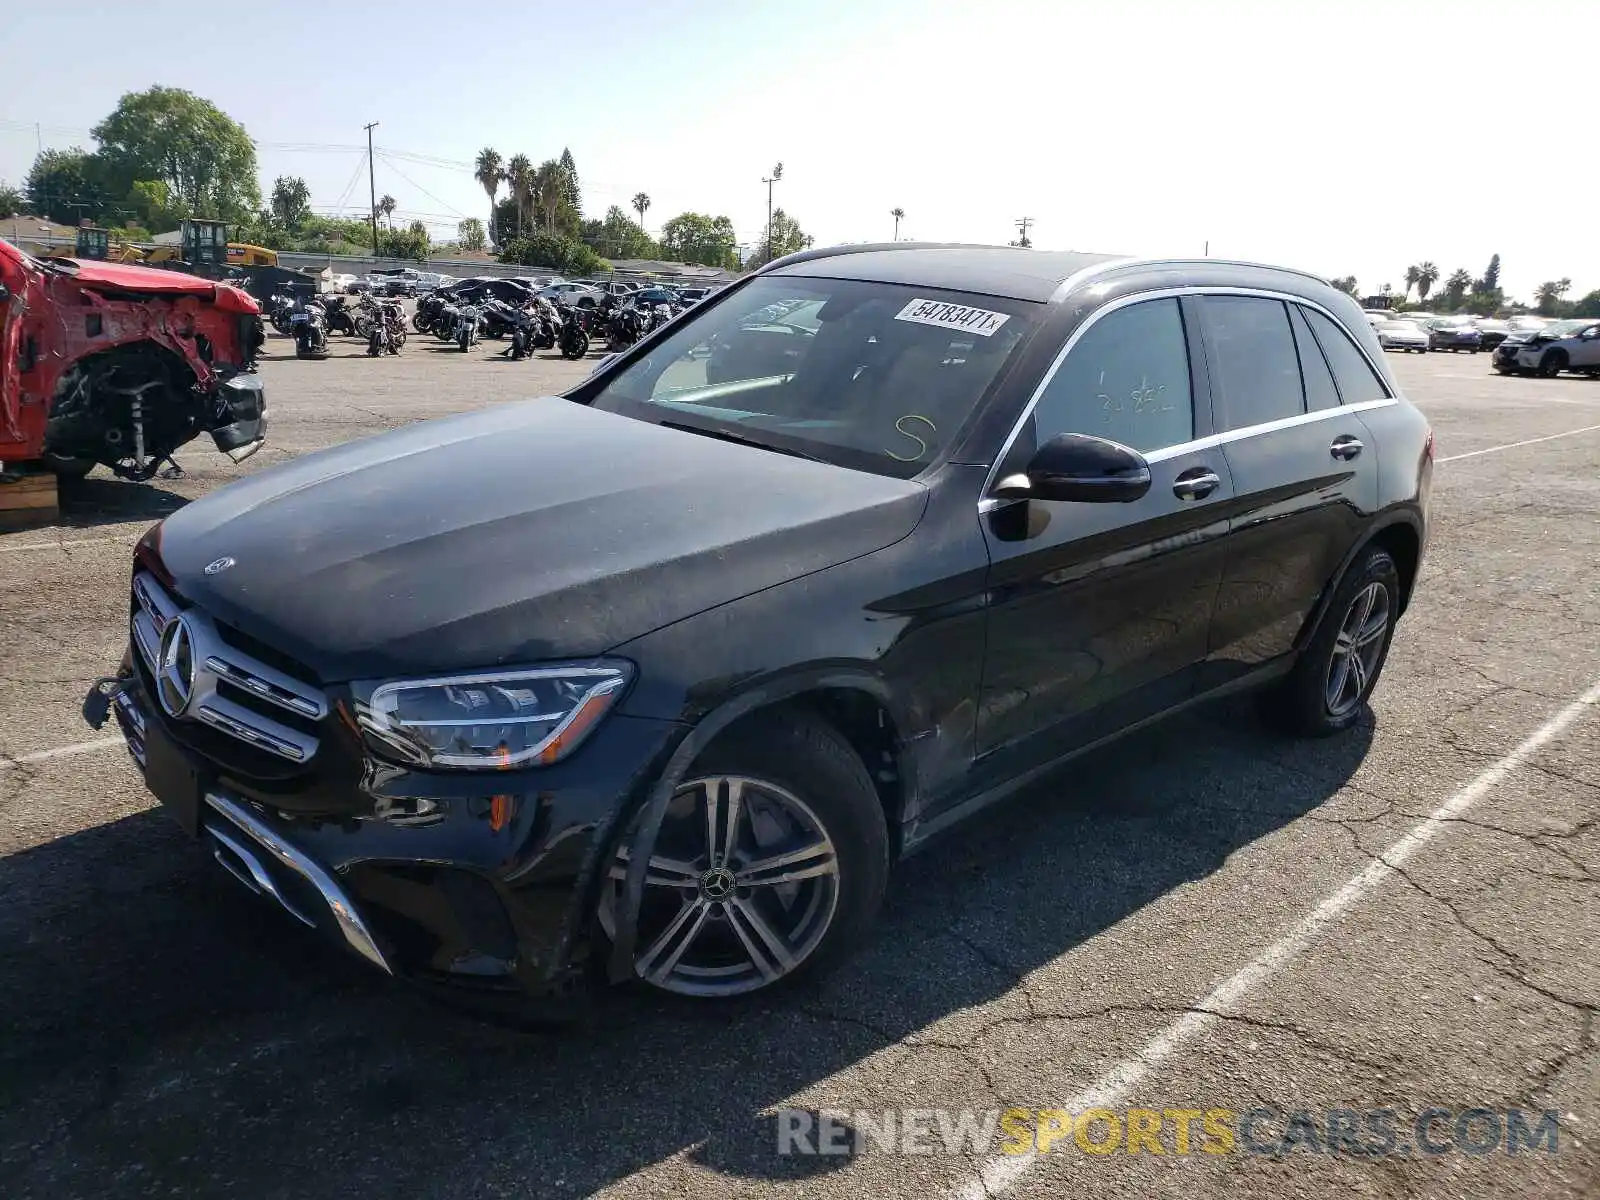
(740, 890)
(1358, 649)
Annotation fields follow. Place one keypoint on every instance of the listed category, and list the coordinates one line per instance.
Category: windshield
(873, 376)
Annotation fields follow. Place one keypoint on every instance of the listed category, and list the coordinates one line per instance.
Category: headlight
(493, 720)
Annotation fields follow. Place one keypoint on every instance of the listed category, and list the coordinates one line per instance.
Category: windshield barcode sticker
(953, 316)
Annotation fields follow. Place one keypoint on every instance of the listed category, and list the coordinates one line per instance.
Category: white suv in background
(1569, 346)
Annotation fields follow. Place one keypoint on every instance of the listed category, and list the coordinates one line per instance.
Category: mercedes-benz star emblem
(221, 565)
(175, 667)
(717, 883)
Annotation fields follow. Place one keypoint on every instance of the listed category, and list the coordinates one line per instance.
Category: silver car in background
(1396, 334)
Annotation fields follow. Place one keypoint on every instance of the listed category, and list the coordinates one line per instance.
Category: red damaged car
(120, 365)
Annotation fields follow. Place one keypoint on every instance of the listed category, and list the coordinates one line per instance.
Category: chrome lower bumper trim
(339, 903)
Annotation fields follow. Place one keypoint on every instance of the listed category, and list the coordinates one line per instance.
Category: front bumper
(239, 421)
(484, 883)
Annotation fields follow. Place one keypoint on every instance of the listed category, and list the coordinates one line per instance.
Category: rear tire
(1328, 688)
(791, 766)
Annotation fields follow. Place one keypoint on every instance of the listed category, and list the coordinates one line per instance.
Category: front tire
(1328, 688)
(1552, 364)
(770, 865)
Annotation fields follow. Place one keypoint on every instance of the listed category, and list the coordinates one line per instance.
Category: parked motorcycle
(279, 309)
(468, 320)
(308, 326)
(573, 339)
(339, 318)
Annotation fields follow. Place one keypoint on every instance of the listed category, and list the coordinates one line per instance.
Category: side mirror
(1078, 468)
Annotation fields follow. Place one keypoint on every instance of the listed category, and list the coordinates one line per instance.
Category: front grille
(208, 679)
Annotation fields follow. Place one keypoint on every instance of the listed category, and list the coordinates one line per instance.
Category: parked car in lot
(341, 283)
(1454, 334)
(1401, 335)
(654, 681)
(1561, 346)
(1492, 332)
(577, 294)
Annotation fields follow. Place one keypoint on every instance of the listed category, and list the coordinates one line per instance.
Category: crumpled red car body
(52, 319)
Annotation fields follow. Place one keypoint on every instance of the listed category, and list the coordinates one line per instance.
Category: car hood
(535, 530)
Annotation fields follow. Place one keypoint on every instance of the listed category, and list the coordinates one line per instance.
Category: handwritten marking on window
(922, 446)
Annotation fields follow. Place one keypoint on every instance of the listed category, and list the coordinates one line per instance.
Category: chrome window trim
(988, 503)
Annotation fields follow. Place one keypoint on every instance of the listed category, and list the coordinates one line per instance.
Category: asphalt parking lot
(1204, 918)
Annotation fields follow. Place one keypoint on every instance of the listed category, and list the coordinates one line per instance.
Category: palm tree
(1458, 283)
(519, 175)
(386, 207)
(641, 205)
(898, 214)
(1413, 274)
(487, 172)
(1549, 293)
(549, 189)
(1427, 276)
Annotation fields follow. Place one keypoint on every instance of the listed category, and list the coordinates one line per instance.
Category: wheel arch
(1400, 533)
(855, 701)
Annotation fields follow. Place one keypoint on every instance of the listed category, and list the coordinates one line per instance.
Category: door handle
(1345, 447)
(1196, 483)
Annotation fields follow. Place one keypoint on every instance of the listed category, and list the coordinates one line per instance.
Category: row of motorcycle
(537, 323)
(312, 320)
(533, 323)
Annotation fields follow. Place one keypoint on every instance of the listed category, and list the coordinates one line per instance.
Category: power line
(420, 188)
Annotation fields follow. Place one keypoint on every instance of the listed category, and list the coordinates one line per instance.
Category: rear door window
(1358, 382)
(1253, 352)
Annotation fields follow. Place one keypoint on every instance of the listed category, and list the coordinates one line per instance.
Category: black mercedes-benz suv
(655, 680)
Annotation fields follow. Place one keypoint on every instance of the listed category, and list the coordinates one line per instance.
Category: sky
(1343, 138)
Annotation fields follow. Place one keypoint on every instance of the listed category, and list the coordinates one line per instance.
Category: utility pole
(372, 188)
(1022, 231)
(777, 174)
(1208, 248)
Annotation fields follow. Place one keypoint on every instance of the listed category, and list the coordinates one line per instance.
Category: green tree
(488, 171)
(1413, 275)
(693, 237)
(641, 205)
(411, 242)
(152, 203)
(786, 237)
(1549, 294)
(470, 234)
(1427, 276)
(291, 201)
(1455, 287)
(898, 214)
(1588, 306)
(551, 202)
(65, 185)
(1345, 283)
(386, 206)
(1491, 276)
(571, 196)
(618, 236)
(554, 252)
(519, 178)
(11, 200)
(204, 157)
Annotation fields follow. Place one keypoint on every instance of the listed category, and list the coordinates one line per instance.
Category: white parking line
(62, 752)
(1000, 1172)
(1514, 445)
(126, 538)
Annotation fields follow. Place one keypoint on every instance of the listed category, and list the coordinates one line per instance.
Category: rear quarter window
(1358, 382)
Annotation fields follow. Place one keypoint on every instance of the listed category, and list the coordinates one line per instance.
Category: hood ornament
(220, 565)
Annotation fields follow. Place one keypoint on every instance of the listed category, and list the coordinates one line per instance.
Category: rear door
(1585, 353)
(1099, 612)
(1304, 467)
